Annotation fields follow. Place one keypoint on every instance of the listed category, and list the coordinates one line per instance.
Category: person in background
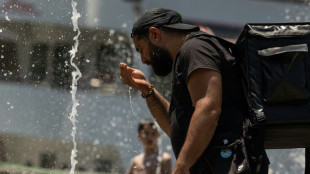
(205, 115)
(151, 161)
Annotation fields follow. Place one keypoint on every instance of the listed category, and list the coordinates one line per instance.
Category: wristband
(150, 92)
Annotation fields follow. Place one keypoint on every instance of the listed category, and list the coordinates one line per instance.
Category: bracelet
(151, 91)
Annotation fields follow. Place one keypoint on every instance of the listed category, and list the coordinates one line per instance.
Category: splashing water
(131, 102)
(76, 75)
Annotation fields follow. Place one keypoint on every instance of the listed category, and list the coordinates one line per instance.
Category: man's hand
(134, 78)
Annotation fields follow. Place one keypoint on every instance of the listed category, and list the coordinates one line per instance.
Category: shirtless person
(149, 162)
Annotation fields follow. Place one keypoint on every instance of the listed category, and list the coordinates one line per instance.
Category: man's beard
(161, 60)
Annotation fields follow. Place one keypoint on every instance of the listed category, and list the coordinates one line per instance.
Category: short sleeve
(197, 53)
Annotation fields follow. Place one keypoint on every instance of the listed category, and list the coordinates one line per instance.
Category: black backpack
(275, 62)
(252, 142)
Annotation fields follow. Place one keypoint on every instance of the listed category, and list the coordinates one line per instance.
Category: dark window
(106, 64)
(9, 69)
(47, 160)
(38, 62)
(62, 67)
(103, 165)
(105, 76)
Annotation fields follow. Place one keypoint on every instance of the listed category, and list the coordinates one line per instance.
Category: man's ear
(154, 33)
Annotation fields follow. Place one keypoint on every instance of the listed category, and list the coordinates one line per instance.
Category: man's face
(155, 56)
(149, 136)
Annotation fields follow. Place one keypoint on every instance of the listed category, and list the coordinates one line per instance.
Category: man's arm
(166, 164)
(205, 87)
(157, 104)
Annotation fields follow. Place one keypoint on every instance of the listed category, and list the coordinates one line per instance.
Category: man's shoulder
(166, 156)
(138, 158)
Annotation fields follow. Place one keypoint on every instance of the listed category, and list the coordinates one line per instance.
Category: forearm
(200, 133)
(159, 108)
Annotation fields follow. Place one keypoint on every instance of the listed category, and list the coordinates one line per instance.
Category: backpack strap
(230, 44)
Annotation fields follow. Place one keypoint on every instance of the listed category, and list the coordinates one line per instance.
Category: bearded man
(205, 114)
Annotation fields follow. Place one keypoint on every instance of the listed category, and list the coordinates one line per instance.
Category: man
(204, 117)
(151, 161)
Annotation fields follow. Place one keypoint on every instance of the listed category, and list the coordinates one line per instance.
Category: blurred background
(35, 77)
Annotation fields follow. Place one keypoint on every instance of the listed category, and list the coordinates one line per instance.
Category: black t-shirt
(201, 51)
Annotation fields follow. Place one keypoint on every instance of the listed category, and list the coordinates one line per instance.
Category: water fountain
(76, 75)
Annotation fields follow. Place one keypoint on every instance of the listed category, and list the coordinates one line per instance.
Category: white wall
(236, 11)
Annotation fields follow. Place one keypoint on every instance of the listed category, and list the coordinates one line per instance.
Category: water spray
(76, 75)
